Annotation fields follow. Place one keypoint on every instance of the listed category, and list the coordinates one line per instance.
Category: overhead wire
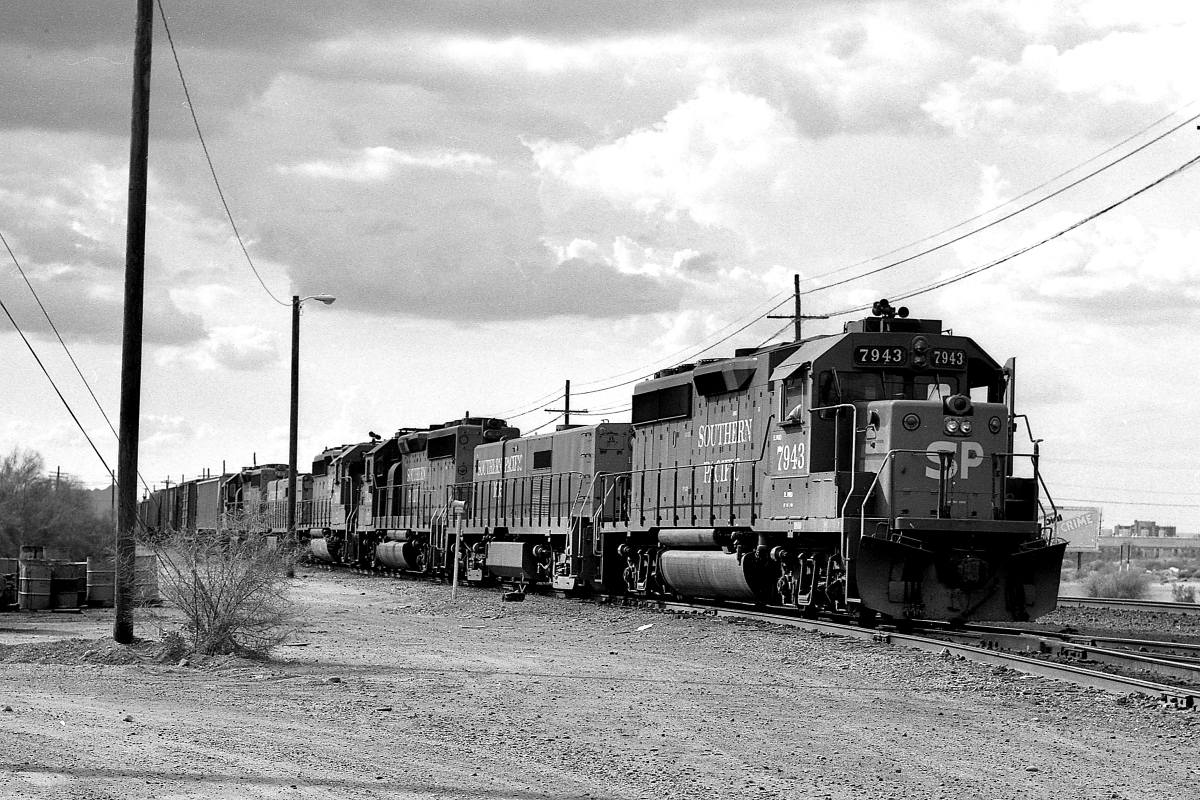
(1021, 251)
(207, 157)
(997, 221)
(1089, 487)
(1026, 193)
(54, 385)
(67, 350)
(1129, 503)
(641, 371)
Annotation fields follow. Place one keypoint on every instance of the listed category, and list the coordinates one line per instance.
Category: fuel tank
(319, 549)
(398, 555)
(717, 575)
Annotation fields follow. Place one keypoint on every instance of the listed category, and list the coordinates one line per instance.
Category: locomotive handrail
(862, 511)
(1053, 517)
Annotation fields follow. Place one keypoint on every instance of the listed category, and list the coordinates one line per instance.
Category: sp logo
(966, 455)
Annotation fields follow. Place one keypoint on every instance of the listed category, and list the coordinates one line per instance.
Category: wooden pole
(796, 289)
(131, 341)
(294, 420)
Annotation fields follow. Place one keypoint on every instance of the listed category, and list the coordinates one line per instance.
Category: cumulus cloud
(1064, 84)
(380, 163)
(242, 348)
(1116, 269)
(707, 155)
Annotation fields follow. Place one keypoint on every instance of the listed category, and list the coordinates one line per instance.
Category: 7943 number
(956, 359)
(880, 355)
(791, 457)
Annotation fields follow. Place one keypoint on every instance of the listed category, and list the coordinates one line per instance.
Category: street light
(297, 301)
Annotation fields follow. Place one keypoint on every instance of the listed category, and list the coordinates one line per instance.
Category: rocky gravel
(1124, 623)
(392, 689)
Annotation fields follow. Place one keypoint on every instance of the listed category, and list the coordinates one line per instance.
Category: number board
(871, 356)
(943, 358)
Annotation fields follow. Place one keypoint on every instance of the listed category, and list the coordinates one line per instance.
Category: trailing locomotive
(871, 472)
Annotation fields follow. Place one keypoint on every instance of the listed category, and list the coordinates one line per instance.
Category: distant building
(1144, 529)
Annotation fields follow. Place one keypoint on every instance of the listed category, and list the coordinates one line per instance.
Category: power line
(1124, 489)
(204, 146)
(1129, 503)
(997, 221)
(668, 359)
(640, 372)
(67, 350)
(1027, 192)
(997, 262)
(46, 372)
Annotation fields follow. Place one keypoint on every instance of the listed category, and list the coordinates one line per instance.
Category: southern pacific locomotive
(871, 473)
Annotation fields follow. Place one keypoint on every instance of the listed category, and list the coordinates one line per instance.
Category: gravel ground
(1132, 624)
(393, 690)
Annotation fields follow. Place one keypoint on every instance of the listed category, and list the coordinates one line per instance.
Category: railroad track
(1014, 648)
(987, 647)
(1129, 605)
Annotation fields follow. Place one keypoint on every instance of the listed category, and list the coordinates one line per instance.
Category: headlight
(994, 424)
(965, 426)
(951, 425)
(920, 344)
(911, 422)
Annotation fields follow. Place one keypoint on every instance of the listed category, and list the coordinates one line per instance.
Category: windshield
(848, 387)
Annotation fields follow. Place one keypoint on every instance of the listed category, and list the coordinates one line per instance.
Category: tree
(39, 510)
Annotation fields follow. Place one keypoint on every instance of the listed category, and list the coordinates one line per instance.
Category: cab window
(792, 408)
(849, 387)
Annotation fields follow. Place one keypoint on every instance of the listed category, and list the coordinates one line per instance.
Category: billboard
(1081, 528)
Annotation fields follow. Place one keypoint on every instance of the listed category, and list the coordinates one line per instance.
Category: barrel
(33, 592)
(100, 579)
(64, 584)
(145, 577)
(8, 582)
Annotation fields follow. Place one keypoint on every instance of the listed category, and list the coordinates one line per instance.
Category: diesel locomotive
(873, 473)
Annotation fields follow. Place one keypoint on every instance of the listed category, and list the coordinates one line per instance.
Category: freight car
(871, 472)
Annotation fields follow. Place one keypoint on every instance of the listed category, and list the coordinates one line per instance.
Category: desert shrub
(232, 588)
(1120, 585)
(1183, 593)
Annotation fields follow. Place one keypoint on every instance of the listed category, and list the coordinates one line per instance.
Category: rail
(1179, 697)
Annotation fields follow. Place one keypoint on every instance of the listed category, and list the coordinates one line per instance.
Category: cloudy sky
(503, 196)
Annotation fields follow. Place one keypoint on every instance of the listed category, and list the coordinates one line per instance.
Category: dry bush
(1183, 593)
(232, 587)
(1131, 585)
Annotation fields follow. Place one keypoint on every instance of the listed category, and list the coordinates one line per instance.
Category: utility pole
(131, 340)
(797, 316)
(566, 409)
(293, 421)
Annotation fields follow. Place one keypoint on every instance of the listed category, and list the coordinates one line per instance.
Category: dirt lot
(392, 690)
